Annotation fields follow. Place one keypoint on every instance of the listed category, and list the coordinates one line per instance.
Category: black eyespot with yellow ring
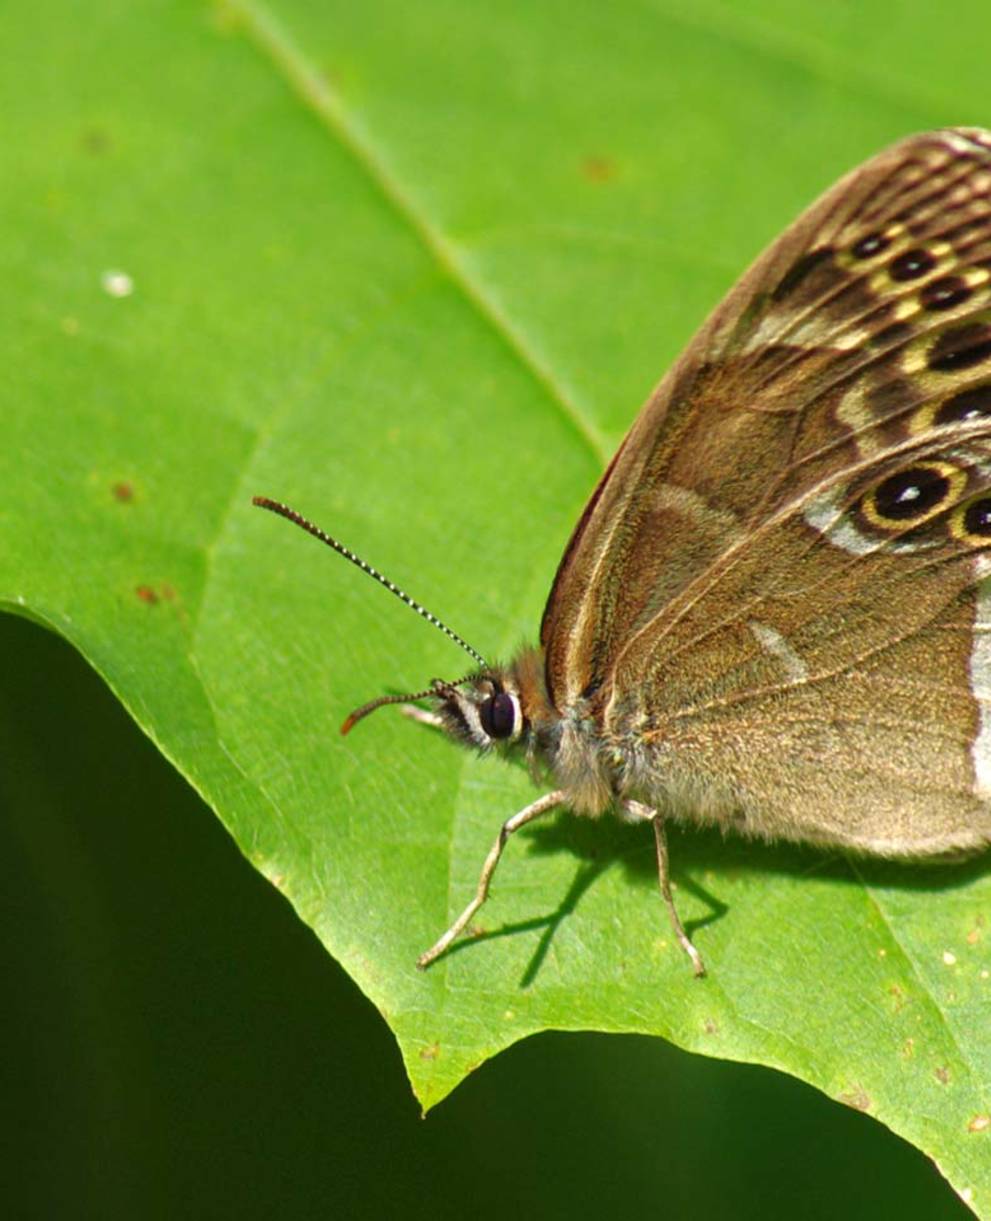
(912, 496)
(971, 521)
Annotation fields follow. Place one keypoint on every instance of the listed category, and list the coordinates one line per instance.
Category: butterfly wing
(779, 581)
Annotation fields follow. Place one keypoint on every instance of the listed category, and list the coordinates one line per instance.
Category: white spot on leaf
(117, 283)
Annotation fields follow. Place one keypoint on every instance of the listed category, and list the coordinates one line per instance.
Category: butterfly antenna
(283, 510)
(437, 689)
(360, 713)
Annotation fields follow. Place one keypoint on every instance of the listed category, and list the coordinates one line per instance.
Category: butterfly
(774, 613)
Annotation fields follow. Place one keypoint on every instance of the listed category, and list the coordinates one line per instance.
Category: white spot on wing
(826, 514)
(774, 643)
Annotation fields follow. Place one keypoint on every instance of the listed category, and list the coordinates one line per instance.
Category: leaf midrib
(311, 87)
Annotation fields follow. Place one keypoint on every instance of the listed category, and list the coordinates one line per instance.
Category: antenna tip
(348, 725)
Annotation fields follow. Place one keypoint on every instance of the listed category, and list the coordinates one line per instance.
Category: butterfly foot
(698, 966)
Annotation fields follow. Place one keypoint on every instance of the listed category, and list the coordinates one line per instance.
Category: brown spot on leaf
(152, 594)
(858, 1098)
(95, 141)
(123, 491)
(430, 1052)
(710, 1026)
(942, 1075)
(597, 168)
(980, 1123)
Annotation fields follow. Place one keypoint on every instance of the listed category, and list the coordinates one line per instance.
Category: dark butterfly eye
(498, 715)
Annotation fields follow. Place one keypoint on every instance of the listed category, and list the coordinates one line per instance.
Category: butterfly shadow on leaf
(697, 851)
(601, 844)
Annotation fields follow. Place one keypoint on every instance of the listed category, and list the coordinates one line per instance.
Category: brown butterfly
(774, 614)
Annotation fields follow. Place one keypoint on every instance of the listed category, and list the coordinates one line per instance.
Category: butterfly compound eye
(498, 715)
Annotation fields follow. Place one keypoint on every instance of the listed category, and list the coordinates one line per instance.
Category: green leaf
(412, 268)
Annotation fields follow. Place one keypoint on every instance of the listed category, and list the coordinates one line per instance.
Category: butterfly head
(481, 710)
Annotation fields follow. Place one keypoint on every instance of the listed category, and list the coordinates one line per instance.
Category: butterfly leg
(535, 810)
(637, 810)
(423, 716)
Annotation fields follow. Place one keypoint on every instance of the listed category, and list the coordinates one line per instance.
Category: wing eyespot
(945, 293)
(911, 265)
(970, 522)
(960, 347)
(912, 496)
(871, 246)
(971, 404)
(875, 245)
